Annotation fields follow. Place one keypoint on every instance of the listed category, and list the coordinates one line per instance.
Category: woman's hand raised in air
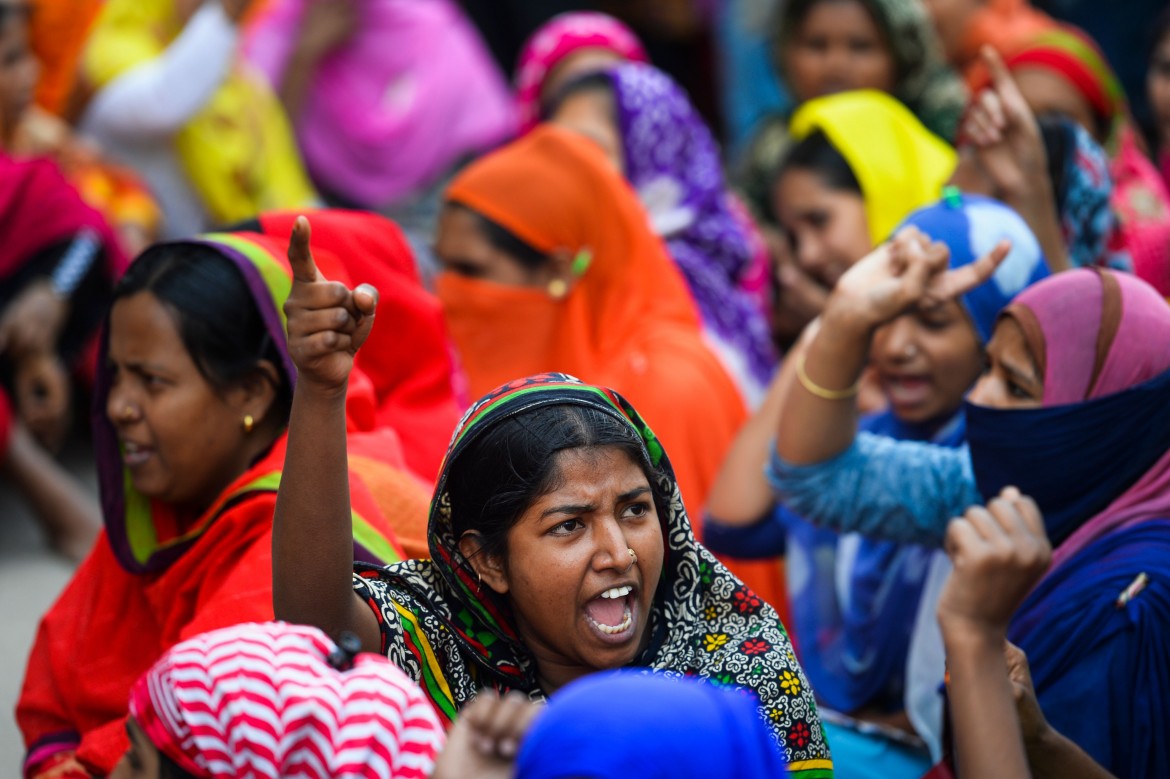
(312, 532)
(327, 321)
(906, 272)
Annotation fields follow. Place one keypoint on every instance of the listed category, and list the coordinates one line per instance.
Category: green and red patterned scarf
(704, 622)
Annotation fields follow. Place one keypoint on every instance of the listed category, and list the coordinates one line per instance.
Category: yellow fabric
(238, 152)
(900, 165)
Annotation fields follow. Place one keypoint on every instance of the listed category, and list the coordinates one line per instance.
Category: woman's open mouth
(611, 614)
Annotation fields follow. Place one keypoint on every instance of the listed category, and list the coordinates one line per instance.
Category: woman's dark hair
(214, 312)
(1060, 143)
(816, 154)
(504, 240)
(169, 769)
(512, 465)
(599, 82)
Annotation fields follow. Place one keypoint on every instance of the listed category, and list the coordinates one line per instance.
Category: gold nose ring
(127, 413)
(633, 556)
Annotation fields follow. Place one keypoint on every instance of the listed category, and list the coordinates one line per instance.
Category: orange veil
(628, 322)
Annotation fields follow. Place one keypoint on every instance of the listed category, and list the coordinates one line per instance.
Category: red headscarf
(407, 356)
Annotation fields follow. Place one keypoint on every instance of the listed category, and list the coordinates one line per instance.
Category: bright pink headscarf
(558, 38)
(1094, 333)
(264, 701)
(414, 90)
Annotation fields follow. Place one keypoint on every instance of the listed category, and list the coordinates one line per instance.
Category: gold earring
(249, 423)
(557, 289)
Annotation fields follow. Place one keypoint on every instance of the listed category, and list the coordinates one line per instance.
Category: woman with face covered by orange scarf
(550, 265)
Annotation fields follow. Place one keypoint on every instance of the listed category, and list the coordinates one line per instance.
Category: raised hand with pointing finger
(327, 321)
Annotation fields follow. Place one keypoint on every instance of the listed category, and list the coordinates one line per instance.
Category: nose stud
(126, 414)
(633, 556)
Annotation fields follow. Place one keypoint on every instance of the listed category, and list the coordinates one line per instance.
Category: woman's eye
(566, 527)
(1018, 392)
(636, 510)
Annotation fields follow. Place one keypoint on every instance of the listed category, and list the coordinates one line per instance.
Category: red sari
(152, 581)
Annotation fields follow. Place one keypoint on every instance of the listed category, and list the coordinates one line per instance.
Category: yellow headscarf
(900, 165)
(238, 152)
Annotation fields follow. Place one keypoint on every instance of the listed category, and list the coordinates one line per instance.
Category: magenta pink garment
(557, 39)
(392, 109)
(1142, 204)
(1069, 310)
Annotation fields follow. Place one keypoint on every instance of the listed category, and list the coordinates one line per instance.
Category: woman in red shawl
(190, 414)
(58, 263)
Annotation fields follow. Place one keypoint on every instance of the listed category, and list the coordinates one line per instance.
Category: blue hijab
(854, 600)
(624, 723)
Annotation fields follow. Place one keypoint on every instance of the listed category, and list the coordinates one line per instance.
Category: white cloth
(136, 116)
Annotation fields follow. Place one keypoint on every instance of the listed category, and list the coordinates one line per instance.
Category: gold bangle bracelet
(818, 390)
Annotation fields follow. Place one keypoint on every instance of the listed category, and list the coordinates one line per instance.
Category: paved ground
(30, 578)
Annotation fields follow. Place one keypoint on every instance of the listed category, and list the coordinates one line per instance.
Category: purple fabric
(673, 162)
(413, 91)
(1069, 310)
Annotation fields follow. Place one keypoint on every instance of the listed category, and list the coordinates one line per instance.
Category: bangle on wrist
(823, 392)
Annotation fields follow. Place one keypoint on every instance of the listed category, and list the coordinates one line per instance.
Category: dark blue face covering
(1073, 460)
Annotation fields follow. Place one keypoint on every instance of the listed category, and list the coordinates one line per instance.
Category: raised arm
(312, 539)
(819, 409)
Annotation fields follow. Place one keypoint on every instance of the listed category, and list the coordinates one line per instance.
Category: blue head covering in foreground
(624, 724)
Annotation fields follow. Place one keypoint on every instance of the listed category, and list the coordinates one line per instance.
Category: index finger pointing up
(300, 257)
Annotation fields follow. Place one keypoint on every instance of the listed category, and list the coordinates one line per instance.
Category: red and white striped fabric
(262, 700)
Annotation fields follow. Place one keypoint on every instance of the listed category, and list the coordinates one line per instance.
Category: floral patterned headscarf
(704, 622)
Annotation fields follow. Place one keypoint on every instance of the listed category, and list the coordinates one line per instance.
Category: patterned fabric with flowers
(454, 640)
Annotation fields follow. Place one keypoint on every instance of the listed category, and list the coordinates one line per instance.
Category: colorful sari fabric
(669, 729)
(558, 38)
(628, 321)
(238, 152)
(673, 163)
(1100, 619)
(900, 164)
(407, 356)
(58, 33)
(384, 115)
(704, 622)
(152, 581)
(274, 700)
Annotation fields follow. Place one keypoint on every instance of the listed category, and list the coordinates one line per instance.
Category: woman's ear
(256, 393)
(488, 567)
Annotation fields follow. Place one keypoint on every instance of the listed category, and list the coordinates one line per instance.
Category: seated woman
(854, 601)
(650, 130)
(293, 704)
(559, 542)
(838, 192)
(823, 47)
(191, 406)
(58, 265)
(1073, 410)
(169, 100)
(377, 114)
(565, 274)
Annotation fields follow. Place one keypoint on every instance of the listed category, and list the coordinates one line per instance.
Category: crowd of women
(451, 428)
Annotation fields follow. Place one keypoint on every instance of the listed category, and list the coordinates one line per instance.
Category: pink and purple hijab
(1096, 456)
